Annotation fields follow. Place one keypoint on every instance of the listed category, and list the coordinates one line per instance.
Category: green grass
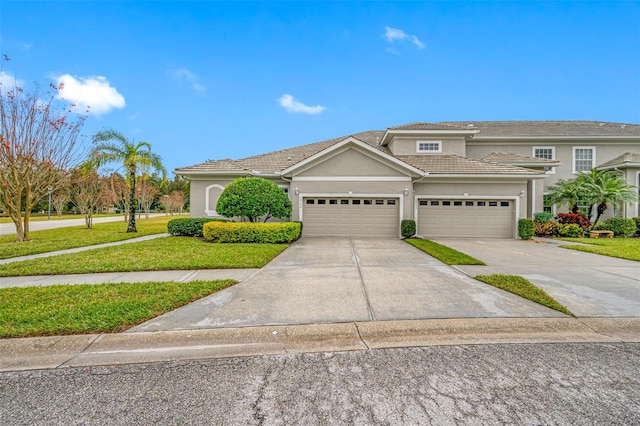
(79, 236)
(443, 253)
(167, 253)
(105, 308)
(624, 248)
(523, 288)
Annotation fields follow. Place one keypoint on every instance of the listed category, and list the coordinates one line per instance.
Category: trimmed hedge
(525, 228)
(250, 232)
(408, 228)
(189, 227)
(619, 226)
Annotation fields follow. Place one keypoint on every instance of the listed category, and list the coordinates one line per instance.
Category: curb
(144, 347)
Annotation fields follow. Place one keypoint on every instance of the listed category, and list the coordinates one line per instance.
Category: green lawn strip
(523, 288)
(85, 308)
(623, 248)
(443, 253)
(161, 254)
(79, 236)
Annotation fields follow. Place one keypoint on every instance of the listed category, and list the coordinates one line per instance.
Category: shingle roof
(455, 164)
(626, 158)
(277, 161)
(509, 158)
(489, 129)
(432, 126)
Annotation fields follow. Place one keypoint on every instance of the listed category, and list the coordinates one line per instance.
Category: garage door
(365, 217)
(466, 218)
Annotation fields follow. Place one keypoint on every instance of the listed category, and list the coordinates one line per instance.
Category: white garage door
(466, 218)
(364, 217)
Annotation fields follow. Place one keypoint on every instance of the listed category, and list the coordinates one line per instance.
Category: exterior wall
(604, 151)
(407, 145)
(350, 162)
(477, 188)
(198, 192)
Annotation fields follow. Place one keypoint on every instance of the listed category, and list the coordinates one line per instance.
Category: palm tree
(111, 146)
(566, 192)
(609, 187)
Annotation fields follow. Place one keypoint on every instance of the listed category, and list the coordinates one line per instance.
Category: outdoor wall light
(296, 191)
(406, 191)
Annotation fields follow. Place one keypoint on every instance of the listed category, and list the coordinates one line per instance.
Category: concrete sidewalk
(127, 348)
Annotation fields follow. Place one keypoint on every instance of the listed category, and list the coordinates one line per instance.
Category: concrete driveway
(341, 279)
(589, 285)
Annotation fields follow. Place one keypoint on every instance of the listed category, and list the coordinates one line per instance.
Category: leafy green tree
(252, 198)
(566, 192)
(111, 146)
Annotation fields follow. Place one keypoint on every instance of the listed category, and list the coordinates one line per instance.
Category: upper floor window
(433, 147)
(546, 152)
(584, 158)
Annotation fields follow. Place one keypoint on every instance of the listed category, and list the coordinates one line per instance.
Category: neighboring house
(455, 179)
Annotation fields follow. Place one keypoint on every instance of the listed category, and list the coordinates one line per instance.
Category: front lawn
(443, 253)
(180, 253)
(523, 288)
(104, 308)
(624, 248)
(79, 236)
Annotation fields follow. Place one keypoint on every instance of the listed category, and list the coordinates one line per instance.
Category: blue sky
(208, 80)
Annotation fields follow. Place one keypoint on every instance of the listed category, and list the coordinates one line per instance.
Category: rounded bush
(578, 219)
(546, 229)
(543, 217)
(619, 226)
(253, 198)
(571, 230)
(408, 228)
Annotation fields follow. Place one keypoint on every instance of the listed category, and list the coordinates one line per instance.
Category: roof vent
(469, 125)
(289, 158)
(377, 140)
(623, 126)
(601, 124)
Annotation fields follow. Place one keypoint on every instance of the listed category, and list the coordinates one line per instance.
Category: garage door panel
(463, 219)
(351, 217)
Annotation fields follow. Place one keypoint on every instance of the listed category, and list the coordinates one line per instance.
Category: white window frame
(429, 151)
(207, 211)
(552, 170)
(573, 157)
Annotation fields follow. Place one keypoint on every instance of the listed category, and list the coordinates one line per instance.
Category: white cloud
(8, 81)
(291, 105)
(189, 77)
(93, 94)
(393, 34)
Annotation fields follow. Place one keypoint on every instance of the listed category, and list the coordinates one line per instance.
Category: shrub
(408, 228)
(619, 226)
(252, 198)
(525, 228)
(546, 229)
(637, 221)
(574, 218)
(543, 217)
(189, 227)
(247, 232)
(571, 230)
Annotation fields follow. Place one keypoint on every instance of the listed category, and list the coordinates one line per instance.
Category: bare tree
(119, 193)
(146, 193)
(173, 202)
(61, 198)
(38, 144)
(89, 193)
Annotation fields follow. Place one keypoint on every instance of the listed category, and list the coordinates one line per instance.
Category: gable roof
(534, 129)
(625, 160)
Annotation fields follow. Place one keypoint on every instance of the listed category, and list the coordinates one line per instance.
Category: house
(455, 179)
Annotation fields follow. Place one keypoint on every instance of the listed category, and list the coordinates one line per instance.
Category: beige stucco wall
(350, 162)
(407, 145)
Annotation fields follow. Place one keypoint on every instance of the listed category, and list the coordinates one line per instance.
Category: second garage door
(363, 217)
(466, 218)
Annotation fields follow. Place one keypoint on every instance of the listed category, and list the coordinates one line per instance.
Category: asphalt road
(444, 385)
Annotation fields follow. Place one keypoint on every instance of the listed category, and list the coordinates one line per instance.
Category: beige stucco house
(455, 179)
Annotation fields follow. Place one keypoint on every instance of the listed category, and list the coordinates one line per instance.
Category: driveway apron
(342, 279)
(589, 285)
